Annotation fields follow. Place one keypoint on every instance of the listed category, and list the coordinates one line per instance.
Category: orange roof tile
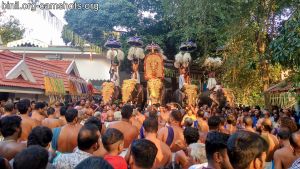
(60, 63)
(8, 60)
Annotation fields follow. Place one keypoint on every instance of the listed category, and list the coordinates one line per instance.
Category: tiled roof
(8, 60)
(60, 63)
(283, 86)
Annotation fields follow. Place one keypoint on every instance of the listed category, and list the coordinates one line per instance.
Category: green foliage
(92, 24)
(11, 30)
(243, 29)
(285, 47)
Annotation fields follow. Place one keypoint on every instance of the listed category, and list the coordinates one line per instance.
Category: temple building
(25, 77)
(90, 65)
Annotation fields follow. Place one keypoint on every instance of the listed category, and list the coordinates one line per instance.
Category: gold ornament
(107, 91)
(154, 88)
(191, 91)
(154, 66)
(127, 89)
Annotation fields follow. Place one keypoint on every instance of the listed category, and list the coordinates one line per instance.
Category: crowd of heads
(90, 134)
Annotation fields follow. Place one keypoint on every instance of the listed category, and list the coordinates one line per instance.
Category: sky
(35, 24)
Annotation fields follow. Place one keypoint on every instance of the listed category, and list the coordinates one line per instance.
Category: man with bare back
(248, 123)
(164, 155)
(27, 123)
(130, 132)
(38, 113)
(173, 135)
(163, 116)
(285, 156)
(10, 127)
(266, 128)
(65, 138)
(88, 109)
(51, 121)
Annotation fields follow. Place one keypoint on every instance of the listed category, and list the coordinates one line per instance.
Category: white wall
(96, 69)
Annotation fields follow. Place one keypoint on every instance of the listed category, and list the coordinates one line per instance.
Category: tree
(242, 29)
(285, 48)
(11, 30)
(92, 24)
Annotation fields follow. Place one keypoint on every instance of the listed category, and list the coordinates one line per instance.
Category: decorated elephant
(132, 92)
(108, 89)
(155, 91)
(188, 95)
(223, 97)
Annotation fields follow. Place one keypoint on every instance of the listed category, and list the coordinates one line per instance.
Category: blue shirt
(254, 119)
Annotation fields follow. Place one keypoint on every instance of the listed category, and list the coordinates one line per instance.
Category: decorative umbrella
(136, 51)
(188, 46)
(135, 54)
(112, 43)
(135, 41)
(114, 53)
(184, 58)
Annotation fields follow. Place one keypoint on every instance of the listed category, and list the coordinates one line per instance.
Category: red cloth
(117, 162)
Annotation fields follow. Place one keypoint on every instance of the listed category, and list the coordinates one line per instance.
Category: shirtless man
(10, 127)
(38, 112)
(27, 123)
(134, 121)
(88, 109)
(164, 154)
(51, 122)
(62, 117)
(266, 128)
(240, 119)
(202, 123)
(81, 104)
(8, 109)
(163, 116)
(248, 123)
(284, 157)
(260, 120)
(66, 139)
(173, 135)
(130, 132)
(110, 115)
(191, 135)
(231, 124)
(139, 116)
(57, 108)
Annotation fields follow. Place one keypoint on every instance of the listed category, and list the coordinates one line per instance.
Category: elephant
(221, 98)
(136, 94)
(188, 95)
(155, 91)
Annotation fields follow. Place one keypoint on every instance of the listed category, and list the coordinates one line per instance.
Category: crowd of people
(93, 135)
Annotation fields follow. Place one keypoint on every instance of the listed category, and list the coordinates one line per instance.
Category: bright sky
(36, 26)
